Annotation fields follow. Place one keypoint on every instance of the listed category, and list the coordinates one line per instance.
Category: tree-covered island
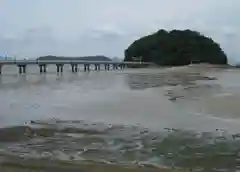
(176, 48)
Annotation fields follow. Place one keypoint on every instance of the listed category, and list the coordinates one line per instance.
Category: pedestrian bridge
(75, 64)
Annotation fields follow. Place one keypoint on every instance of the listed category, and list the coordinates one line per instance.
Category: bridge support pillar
(59, 68)
(19, 69)
(121, 66)
(115, 66)
(74, 68)
(86, 67)
(107, 66)
(22, 69)
(43, 68)
(97, 66)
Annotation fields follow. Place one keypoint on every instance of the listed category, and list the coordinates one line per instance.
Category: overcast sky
(31, 28)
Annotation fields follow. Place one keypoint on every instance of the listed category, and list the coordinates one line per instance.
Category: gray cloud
(77, 27)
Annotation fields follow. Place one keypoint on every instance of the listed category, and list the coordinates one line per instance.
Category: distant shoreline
(88, 58)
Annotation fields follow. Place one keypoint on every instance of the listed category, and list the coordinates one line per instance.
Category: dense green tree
(177, 47)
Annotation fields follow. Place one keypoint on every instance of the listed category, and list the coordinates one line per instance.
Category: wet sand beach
(144, 119)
